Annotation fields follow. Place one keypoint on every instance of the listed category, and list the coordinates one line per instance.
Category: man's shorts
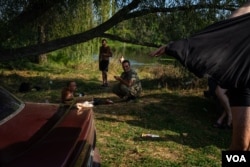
(239, 97)
(103, 65)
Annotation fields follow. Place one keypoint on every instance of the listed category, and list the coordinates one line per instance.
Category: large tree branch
(178, 8)
(99, 31)
(31, 13)
(12, 54)
(131, 41)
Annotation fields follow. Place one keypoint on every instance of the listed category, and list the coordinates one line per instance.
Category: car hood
(39, 132)
(26, 123)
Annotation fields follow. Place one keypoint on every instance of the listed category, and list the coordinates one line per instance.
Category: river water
(138, 57)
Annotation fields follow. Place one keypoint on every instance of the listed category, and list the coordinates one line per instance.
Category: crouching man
(129, 85)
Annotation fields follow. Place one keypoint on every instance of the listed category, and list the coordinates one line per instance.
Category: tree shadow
(190, 118)
(191, 115)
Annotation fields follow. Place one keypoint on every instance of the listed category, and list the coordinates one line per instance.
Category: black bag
(24, 87)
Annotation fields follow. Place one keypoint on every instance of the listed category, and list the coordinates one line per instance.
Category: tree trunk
(41, 58)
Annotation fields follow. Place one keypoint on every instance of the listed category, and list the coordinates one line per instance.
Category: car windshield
(9, 105)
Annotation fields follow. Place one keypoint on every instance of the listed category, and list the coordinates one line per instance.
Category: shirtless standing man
(104, 55)
(240, 105)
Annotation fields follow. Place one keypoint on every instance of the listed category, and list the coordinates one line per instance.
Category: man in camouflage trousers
(129, 86)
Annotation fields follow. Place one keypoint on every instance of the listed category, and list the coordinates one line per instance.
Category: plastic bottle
(149, 135)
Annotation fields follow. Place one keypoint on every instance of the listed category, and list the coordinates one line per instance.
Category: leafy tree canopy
(69, 22)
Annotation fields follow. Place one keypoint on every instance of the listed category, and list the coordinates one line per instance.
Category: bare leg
(221, 94)
(241, 115)
(241, 129)
(104, 77)
(221, 118)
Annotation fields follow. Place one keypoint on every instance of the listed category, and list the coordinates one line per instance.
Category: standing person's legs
(101, 68)
(240, 107)
(104, 68)
(105, 72)
(241, 129)
(104, 78)
(219, 122)
(224, 101)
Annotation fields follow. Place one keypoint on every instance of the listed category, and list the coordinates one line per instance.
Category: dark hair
(126, 61)
(68, 83)
(104, 40)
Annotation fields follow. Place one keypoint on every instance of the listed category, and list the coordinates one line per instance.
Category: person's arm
(158, 52)
(81, 99)
(77, 100)
(242, 10)
(108, 52)
(67, 97)
(100, 54)
(128, 83)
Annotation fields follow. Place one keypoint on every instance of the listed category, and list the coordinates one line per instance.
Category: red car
(45, 135)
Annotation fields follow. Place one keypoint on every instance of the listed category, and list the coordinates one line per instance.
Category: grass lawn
(182, 118)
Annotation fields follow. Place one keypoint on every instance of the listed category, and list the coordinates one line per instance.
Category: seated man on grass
(129, 86)
(68, 94)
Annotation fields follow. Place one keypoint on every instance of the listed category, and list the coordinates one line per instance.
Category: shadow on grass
(162, 112)
(190, 118)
